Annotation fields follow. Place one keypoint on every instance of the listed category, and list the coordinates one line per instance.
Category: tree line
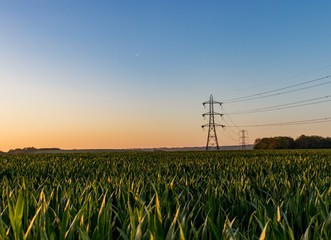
(302, 142)
(28, 150)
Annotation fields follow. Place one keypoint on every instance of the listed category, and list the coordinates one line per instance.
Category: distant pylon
(212, 136)
(243, 136)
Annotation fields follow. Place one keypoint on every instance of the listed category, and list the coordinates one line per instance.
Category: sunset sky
(133, 74)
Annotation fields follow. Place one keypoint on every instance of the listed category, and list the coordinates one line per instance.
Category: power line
(226, 123)
(226, 114)
(229, 127)
(282, 79)
(309, 121)
(229, 136)
(307, 102)
(279, 91)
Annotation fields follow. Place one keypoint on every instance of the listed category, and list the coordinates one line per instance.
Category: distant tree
(302, 142)
(28, 150)
(262, 143)
(274, 143)
(311, 142)
(22, 151)
(284, 143)
(327, 142)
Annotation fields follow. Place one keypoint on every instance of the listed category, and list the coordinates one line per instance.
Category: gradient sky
(131, 74)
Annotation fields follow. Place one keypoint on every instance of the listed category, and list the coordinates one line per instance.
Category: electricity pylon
(243, 136)
(212, 136)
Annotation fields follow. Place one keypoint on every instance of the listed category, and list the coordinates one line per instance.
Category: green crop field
(167, 195)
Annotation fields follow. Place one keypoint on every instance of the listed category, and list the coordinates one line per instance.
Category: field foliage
(162, 195)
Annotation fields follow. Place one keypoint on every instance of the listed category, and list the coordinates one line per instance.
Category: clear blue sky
(122, 74)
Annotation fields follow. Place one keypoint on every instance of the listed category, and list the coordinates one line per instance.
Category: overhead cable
(226, 114)
(307, 102)
(310, 121)
(280, 91)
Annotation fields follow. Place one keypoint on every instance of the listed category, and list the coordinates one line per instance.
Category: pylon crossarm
(212, 102)
(220, 103)
(214, 113)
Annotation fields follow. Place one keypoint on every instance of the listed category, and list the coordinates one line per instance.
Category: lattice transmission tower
(243, 136)
(212, 136)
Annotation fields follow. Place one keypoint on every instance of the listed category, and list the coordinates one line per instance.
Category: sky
(134, 74)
